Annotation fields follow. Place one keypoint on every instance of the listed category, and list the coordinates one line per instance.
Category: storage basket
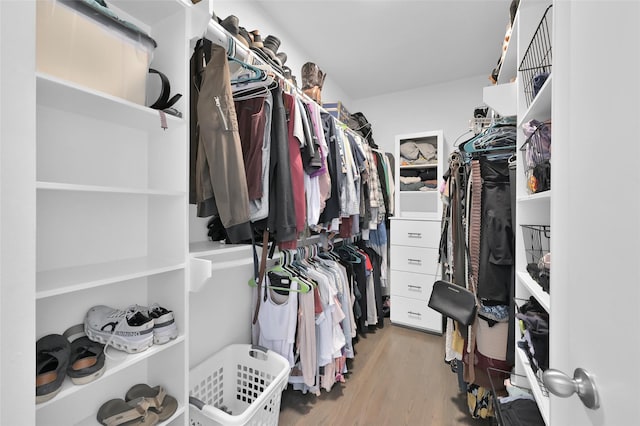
(536, 62)
(239, 385)
(537, 241)
(536, 155)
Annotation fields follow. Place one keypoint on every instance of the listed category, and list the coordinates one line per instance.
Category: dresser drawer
(416, 233)
(412, 285)
(415, 313)
(414, 259)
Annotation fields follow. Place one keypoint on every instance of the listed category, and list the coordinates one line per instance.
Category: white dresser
(414, 267)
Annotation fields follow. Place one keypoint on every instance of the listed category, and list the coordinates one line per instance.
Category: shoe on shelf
(52, 358)
(159, 401)
(86, 362)
(120, 412)
(164, 324)
(128, 330)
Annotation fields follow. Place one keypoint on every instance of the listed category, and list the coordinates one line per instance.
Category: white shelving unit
(419, 204)
(108, 212)
(414, 240)
(531, 209)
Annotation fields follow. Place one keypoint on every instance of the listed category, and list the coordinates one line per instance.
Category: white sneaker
(130, 331)
(164, 328)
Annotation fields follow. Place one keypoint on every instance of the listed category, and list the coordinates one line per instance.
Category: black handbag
(453, 301)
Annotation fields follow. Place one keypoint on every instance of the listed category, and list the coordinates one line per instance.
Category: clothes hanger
(246, 72)
(303, 287)
(492, 139)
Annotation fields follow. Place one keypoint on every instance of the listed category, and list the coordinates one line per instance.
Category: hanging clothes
(218, 174)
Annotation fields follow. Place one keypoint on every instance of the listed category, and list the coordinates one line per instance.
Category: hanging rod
(218, 35)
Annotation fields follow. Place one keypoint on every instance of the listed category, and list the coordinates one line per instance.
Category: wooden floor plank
(398, 377)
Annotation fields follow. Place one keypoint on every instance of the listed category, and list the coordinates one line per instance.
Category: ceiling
(373, 47)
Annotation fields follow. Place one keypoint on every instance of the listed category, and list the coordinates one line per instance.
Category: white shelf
(121, 361)
(540, 108)
(421, 192)
(208, 248)
(67, 280)
(64, 95)
(419, 166)
(541, 399)
(210, 257)
(501, 98)
(509, 67)
(544, 195)
(141, 11)
(535, 289)
(57, 186)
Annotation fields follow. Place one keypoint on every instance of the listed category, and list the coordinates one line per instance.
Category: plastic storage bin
(76, 43)
(239, 385)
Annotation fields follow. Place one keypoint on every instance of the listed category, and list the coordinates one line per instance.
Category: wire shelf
(537, 244)
(536, 62)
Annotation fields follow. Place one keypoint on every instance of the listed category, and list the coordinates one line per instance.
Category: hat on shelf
(257, 39)
(244, 37)
(232, 24)
(282, 57)
(267, 53)
(271, 45)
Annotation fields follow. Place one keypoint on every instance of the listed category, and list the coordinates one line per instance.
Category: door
(595, 210)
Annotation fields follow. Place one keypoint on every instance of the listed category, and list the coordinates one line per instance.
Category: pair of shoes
(132, 330)
(143, 405)
(128, 330)
(70, 354)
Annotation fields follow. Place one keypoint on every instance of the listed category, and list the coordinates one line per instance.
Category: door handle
(564, 386)
(414, 261)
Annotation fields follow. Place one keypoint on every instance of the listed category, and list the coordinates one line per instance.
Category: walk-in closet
(269, 212)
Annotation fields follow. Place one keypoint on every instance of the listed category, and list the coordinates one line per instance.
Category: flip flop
(52, 358)
(159, 402)
(86, 362)
(118, 412)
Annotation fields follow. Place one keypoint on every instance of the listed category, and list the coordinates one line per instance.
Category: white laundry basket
(239, 385)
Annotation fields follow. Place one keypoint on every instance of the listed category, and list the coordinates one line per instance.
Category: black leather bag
(453, 301)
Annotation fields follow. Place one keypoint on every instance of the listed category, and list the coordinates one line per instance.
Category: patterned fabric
(479, 401)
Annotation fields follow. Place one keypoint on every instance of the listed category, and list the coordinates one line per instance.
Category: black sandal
(86, 361)
(52, 358)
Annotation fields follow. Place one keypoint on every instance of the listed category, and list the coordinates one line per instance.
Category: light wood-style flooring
(398, 377)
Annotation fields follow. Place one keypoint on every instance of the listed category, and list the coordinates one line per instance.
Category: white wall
(448, 107)
(251, 17)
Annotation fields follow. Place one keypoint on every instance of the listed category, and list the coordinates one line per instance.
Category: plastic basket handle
(196, 402)
(263, 356)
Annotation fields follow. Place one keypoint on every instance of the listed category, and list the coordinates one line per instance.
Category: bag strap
(263, 268)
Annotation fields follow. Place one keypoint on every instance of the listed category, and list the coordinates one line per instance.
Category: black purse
(453, 301)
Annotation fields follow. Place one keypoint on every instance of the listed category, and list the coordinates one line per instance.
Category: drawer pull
(415, 261)
(417, 314)
(414, 287)
(414, 234)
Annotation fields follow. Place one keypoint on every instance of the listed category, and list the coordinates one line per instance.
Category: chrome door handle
(414, 261)
(414, 287)
(414, 234)
(564, 386)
